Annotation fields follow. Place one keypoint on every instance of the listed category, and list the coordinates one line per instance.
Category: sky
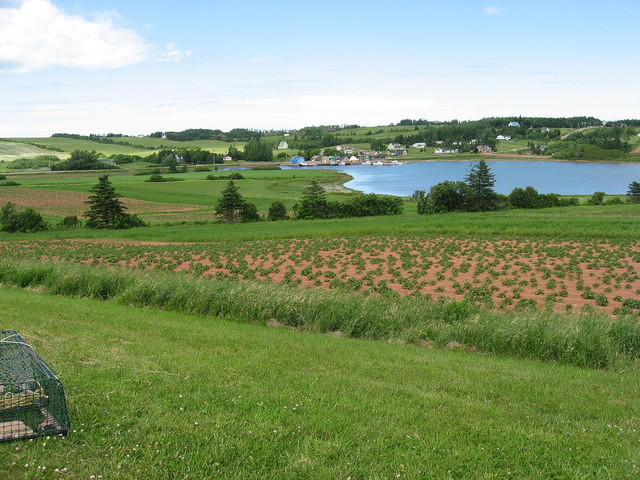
(135, 67)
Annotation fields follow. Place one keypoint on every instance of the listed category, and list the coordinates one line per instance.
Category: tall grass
(587, 340)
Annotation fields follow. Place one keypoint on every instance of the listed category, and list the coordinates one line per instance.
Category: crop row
(503, 274)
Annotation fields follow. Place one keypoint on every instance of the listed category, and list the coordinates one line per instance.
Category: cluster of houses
(352, 157)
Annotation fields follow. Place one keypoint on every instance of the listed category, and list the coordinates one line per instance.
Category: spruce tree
(481, 181)
(314, 202)
(230, 204)
(105, 208)
(634, 192)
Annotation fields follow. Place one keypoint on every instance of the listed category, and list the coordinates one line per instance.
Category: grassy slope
(71, 144)
(11, 151)
(161, 395)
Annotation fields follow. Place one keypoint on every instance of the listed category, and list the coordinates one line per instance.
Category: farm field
(67, 145)
(216, 146)
(167, 395)
(65, 194)
(12, 150)
(503, 274)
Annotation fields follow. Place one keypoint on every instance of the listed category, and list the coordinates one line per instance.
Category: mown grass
(589, 340)
(165, 395)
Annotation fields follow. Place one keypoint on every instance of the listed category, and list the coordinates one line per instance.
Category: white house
(446, 150)
(396, 150)
(505, 138)
(545, 129)
(514, 124)
(419, 145)
(283, 145)
(227, 158)
(345, 149)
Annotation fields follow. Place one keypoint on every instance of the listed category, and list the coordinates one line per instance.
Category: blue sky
(138, 66)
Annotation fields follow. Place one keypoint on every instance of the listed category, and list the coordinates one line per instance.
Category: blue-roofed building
(297, 160)
(514, 124)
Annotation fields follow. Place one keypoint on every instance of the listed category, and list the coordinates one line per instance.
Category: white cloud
(173, 54)
(35, 34)
(492, 10)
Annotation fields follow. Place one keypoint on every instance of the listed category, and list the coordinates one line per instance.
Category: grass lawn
(162, 395)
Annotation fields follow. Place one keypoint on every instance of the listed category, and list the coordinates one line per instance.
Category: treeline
(82, 160)
(106, 139)
(231, 207)
(192, 156)
(234, 135)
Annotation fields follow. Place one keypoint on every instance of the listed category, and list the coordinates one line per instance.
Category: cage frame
(29, 392)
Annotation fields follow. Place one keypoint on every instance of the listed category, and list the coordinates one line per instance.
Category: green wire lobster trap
(32, 401)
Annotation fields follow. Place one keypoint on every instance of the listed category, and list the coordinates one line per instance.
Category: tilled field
(64, 203)
(501, 273)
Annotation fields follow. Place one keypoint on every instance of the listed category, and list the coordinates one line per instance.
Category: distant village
(349, 155)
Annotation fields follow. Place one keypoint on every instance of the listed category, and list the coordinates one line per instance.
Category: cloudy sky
(88, 66)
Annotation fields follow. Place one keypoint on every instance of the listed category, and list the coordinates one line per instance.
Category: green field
(165, 395)
(70, 144)
(13, 150)
(46, 191)
(216, 146)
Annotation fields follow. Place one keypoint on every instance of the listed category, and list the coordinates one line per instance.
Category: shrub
(8, 183)
(160, 178)
(12, 221)
(70, 222)
(444, 197)
(597, 199)
(277, 211)
(249, 212)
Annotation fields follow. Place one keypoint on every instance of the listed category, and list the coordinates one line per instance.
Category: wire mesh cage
(32, 401)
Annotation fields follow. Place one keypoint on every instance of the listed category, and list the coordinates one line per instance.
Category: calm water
(547, 177)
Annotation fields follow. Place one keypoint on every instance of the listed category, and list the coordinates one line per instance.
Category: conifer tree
(230, 205)
(314, 202)
(105, 208)
(634, 192)
(481, 181)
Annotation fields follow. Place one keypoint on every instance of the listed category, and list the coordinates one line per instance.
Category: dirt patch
(637, 150)
(63, 203)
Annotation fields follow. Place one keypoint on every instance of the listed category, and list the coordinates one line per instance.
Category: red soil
(502, 272)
